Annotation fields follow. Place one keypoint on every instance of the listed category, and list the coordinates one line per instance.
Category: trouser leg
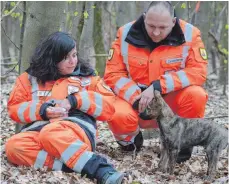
(68, 142)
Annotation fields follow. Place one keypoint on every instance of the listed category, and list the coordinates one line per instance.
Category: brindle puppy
(178, 133)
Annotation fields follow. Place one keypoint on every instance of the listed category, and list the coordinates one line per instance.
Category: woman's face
(67, 65)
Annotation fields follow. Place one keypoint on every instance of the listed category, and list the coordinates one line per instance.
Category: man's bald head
(161, 6)
(159, 20)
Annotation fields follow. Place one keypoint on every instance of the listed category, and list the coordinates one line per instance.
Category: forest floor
(140, 168)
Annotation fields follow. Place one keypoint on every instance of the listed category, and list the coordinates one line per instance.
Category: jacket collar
(138, 36)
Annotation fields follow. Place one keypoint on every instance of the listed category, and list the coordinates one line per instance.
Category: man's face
(158, 23)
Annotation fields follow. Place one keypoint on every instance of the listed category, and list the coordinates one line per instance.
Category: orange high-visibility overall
(180, 70)
(68, 141)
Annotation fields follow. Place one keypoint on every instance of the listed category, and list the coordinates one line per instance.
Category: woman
(58, 99)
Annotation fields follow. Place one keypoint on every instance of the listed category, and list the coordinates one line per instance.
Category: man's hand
(145, 97)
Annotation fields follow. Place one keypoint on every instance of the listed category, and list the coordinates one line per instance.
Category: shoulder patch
(111, 53)
(203, 53)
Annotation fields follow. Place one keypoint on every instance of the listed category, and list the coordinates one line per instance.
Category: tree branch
(216, 43)
(10, 10)
(9, 37)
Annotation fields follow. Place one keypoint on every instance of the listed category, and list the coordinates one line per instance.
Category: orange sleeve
(21, 107)
(95, 104)
(195, 71)
(116, 74)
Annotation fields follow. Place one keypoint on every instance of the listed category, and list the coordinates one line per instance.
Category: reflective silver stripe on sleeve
(183, 78)
(71, 150)
(99, 105)
(35, 98)
(83, 123)
(169, 83)
(82, 161)
(57, 165)
(184, 55)
(131, 91)
(21, 111)
(188, 32)
(35, 87)
(124, 46)
(32, 111)
(40, 160)
(85, 101)
(120, 83)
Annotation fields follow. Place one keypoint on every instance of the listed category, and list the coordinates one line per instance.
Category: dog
(178, 133)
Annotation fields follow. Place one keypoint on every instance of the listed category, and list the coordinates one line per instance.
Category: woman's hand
(60, 111)
(56, 112)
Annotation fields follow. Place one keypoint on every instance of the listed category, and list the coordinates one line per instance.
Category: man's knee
(124, 122)
(192, 102)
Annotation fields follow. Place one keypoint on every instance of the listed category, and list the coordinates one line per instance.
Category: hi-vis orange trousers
(189, 103)
(57, 143)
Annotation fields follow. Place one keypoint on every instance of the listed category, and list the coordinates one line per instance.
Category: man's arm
(116, 74)
(194, 73)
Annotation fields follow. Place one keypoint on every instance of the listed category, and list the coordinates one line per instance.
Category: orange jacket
(174, 67)
(92, 95)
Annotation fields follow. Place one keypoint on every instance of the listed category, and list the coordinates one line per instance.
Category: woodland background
(94, 24)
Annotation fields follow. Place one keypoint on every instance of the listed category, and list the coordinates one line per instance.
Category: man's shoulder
(183, 25)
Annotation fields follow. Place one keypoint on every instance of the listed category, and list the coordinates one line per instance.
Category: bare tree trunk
(76, 18)
(86, 45)
(108, 24)
(43, 18)
(125, 12)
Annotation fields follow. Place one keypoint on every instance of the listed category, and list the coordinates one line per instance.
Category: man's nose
(156, 32)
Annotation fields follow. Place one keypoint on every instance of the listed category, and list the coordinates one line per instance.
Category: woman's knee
(20, 148)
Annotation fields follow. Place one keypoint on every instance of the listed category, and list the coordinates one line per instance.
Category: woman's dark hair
(48, 53)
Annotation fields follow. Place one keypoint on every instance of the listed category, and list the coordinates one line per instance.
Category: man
(156, 52)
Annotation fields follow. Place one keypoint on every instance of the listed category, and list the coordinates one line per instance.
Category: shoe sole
(116, 178)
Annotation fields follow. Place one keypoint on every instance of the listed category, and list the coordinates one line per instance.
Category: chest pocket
(170, 64)
(138, 67)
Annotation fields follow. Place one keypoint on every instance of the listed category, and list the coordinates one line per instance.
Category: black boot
(113, 177)
(184, 154)
(138, 142)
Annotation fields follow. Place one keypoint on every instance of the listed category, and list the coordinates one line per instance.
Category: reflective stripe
(35, 98)
(184, 55)
(35, 87)
(131, 91)
(21, 111)
(57, 165)
(90, 127)
(82, 161)
(124, 46)
(99, 105)
(183, 78)
(32, 111)
(188, 32)
(34, 125)
(169, 83)
(71, 150)
(120, 83)
(85, 101)
(40, 160)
